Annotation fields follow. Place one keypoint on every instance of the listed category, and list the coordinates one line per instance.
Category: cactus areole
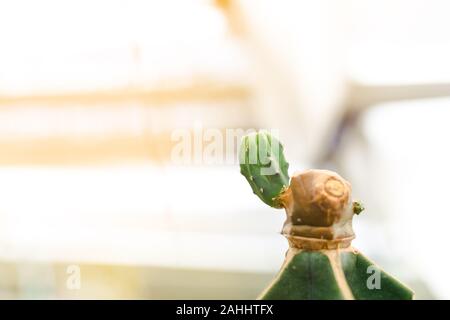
(320, 262)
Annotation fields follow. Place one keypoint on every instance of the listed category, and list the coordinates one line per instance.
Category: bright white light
(410, 140)
(147, 215)
(51, 45)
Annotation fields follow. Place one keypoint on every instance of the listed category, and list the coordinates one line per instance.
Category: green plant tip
(358, 207)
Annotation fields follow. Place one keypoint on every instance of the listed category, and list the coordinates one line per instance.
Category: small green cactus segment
(358, 207)
(264, 166)
(313, 275)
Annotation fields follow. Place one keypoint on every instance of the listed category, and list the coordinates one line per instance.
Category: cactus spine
(264, 166)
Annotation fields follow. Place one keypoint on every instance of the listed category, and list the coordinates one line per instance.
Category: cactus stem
(335, 261)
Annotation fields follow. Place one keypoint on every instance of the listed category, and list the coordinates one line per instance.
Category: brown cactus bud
(319, 210)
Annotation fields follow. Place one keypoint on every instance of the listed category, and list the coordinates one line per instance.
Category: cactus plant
(320, 262)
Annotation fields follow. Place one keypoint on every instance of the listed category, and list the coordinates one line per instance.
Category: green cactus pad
(264, 166)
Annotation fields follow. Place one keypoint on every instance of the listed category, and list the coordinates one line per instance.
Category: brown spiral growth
(319, 210)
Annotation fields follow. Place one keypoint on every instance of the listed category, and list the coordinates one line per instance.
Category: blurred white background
(91, 91)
